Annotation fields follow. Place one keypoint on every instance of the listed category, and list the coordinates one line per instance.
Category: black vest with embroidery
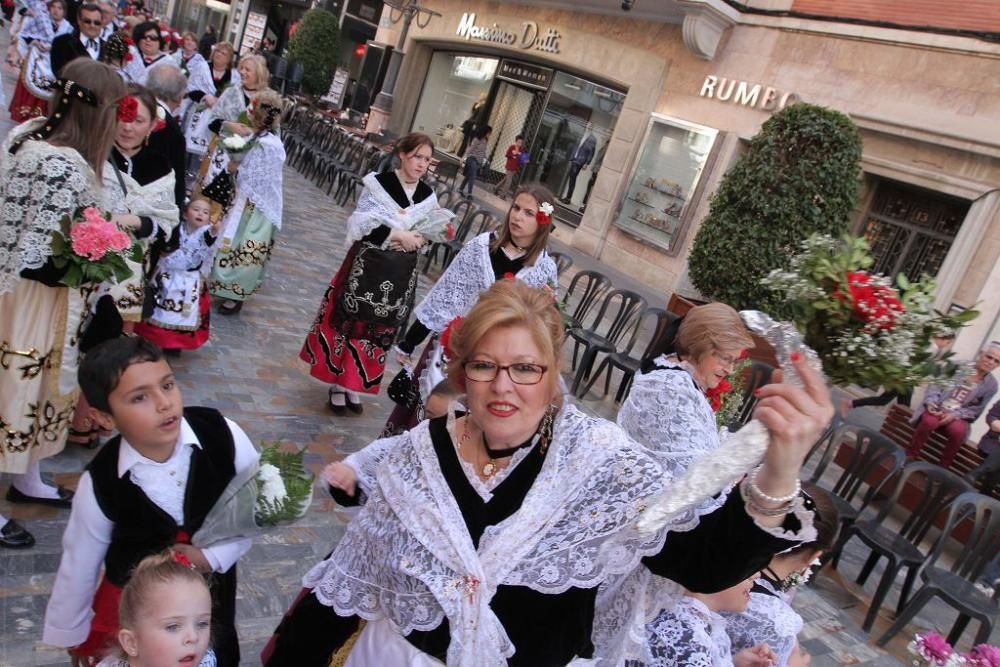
(141, 527)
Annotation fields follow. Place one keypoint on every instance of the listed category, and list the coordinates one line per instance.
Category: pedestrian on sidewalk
(475, 159)
(354, 330)
(513, 165)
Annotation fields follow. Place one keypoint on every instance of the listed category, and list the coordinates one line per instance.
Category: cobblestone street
(251, 372)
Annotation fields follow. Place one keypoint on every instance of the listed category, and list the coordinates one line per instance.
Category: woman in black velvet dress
(489, 538)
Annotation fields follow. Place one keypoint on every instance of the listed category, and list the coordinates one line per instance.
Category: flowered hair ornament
(128, 109)
(69, 92)
(544, 215)
(181, 559)
(446, 337)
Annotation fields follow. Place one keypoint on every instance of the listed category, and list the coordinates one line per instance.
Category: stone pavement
(250, 371)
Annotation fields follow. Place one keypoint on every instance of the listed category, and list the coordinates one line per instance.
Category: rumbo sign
(746, 93)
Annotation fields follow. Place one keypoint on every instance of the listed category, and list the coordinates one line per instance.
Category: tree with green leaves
(798, 177)
(315, 45)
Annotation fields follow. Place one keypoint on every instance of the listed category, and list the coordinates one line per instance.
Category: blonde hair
(709, 328)
(151, 571)
(259, 66)
(541, 194)
(187, 34)
(225, 46)
(511, 303)
(90, 130)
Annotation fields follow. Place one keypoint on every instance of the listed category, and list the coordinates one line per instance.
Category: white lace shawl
(689, 635)
(408, 557)
(38, 186)
(141, 72)
(154, 200)
(768, 619)
(199, 73)
(377, 207)
(230, 104)
(668, 414)
(260, 176)
(468, 276)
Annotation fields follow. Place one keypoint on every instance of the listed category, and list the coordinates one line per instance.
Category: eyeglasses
(151, 38)
(90, 22)
(519, 373)
(726, 359)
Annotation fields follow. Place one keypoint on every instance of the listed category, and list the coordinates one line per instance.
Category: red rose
(449, 231)
(875, 305)
(715, 394)
(447, 334)
(509, 276)
(128, 109)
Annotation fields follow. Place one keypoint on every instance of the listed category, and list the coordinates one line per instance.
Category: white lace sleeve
(41, 184)
(366, 461)
(230, 104)
(687, 636)
(260, 177)
(459, 286)
(768, 619)
(199, 75)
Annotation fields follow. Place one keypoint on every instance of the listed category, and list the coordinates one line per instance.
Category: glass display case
(670, 163)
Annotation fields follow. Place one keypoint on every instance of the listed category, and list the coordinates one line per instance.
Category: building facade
(633, 119)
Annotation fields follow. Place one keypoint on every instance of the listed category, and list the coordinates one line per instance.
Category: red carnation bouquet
(93, 249)
(866, 329)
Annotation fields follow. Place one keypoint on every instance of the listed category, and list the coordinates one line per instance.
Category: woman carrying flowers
(516, 250)
(371, 293)
(48, 170)
(667, 410)
(254, 214)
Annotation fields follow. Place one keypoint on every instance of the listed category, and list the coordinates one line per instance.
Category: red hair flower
(182, 560)
(544, 215)
(128, 109)
(446, 335)
(509, 276)
(128, 40)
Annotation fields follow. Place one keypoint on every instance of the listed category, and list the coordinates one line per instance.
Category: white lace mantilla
(468, 276)
(38, 186)
(768, 619)
(408, 557)
(377, 207)
(260, 177)
(668, 414)
(689, 635)
(199, 78)
(230, 105)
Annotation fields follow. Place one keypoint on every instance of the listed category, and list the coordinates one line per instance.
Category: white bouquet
(277, 491)
(237, 146)
(436, 227)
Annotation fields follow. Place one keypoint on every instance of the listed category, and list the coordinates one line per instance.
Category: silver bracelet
(752, 479)
(755, 508)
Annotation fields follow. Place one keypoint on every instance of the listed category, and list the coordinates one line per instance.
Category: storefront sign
(254, 32)
(525, 73)
(529, 37)
(746, 93)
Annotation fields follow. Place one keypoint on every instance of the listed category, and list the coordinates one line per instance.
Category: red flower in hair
(509, 276)
(544, 215)
(128, 109)
(181, 559)
(128, 40)
(447, 334)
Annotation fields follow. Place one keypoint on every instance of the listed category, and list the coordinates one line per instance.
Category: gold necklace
(487, 469)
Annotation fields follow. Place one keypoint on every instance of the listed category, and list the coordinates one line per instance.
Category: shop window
(911, 230)
(671, 160)
(454, 92)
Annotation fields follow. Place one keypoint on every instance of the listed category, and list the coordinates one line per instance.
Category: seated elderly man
(951, 409)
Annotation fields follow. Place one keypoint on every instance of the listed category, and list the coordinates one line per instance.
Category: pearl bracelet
(755, 508)
(772, 499)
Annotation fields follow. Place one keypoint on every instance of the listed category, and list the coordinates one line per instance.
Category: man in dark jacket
(206, 42)
(85, 41)
(168, 84)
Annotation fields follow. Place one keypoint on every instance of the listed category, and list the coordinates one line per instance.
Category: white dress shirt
(92, 44)
(88, 533)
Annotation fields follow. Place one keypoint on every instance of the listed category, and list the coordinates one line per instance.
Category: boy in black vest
(148, 489)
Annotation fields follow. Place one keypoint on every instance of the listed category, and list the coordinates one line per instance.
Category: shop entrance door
(515, 111)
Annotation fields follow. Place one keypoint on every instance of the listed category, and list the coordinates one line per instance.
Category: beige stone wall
(929, 117)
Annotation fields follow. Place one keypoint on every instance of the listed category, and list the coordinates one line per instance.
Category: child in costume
(165, 616)
(180, 317)
(147, 490)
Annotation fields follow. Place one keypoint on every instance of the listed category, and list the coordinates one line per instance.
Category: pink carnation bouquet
(933, 650)
(92, 249)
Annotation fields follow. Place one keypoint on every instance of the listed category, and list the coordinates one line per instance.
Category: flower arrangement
(277, 491)
(446, 335)
(92, 249)
(727, 396)
(544, 215)
(932, 650)
(865, 330)
(236, 145)
(437, 226)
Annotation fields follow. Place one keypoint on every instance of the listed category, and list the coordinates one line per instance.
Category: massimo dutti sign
(530, 36)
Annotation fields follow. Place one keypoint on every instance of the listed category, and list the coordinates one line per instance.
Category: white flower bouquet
(237, 146)
(277, 491)
(437, 226)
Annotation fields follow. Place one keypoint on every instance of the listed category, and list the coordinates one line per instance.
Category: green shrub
(315, 46)
(799, 176)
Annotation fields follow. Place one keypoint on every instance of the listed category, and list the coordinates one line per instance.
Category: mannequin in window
(472, 123)
(580, 158)
(593, 175)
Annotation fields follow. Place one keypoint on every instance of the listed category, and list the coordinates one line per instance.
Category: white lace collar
(486, 488)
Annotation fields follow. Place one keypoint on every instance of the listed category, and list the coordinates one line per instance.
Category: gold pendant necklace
(489, 469)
